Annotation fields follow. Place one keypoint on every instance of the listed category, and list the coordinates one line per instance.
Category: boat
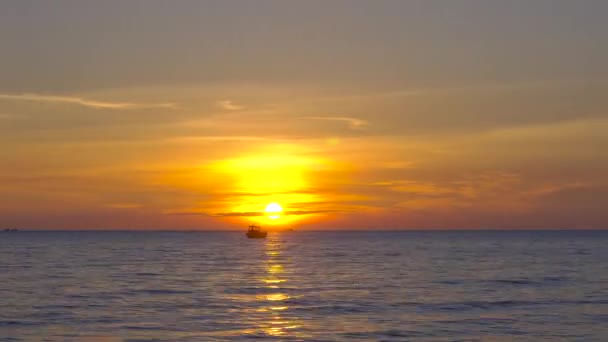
(255, 232)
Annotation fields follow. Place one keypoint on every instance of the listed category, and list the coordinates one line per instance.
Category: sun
(273, 210)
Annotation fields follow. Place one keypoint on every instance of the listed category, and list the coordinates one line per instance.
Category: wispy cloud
(550, 189)
(293, 212)
(229, 105)
(124, 205)
(240, 214)
(310, 212)
(353, 123)
(253, 213)
(481, 87)
(231, 138)
(83, 101)
(8, 116)
(187, 213)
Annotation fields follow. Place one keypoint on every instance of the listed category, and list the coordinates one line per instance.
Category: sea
(304, 286)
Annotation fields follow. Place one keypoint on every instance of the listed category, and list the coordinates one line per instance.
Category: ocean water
(304, 286)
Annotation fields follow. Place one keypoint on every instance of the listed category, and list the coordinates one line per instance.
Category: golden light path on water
(276, 275)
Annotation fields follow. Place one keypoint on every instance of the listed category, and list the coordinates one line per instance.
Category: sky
(348, 114)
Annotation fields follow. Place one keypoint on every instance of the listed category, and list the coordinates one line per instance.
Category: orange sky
(413, 115)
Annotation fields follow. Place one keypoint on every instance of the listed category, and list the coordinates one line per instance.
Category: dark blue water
(383, 286)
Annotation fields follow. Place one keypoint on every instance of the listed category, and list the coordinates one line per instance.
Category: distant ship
(11, 230)
(255, 232)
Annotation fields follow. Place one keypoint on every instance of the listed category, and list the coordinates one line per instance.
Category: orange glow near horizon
(262, 184)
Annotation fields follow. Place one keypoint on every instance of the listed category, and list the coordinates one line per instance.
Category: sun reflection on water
(276, 297)
(277, 323)
(273, 269)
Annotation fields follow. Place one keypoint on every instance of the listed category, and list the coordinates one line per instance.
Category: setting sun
(273, 210)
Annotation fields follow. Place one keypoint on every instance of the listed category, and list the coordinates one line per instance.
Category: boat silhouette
(255, 232)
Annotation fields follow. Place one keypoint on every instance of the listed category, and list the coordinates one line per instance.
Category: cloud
(4, 116)
(229, 105)
(353, 123)
(228, 138)
(259, 194)
(471, 88)
(82, 101)
(309, 212)
(240, 214)
(553, 189)
(187, 213)
(254, 213)
(124, 205)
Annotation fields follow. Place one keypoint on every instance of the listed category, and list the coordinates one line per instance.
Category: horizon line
(110, 230)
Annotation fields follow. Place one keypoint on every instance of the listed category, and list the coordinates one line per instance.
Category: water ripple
(304, 286)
